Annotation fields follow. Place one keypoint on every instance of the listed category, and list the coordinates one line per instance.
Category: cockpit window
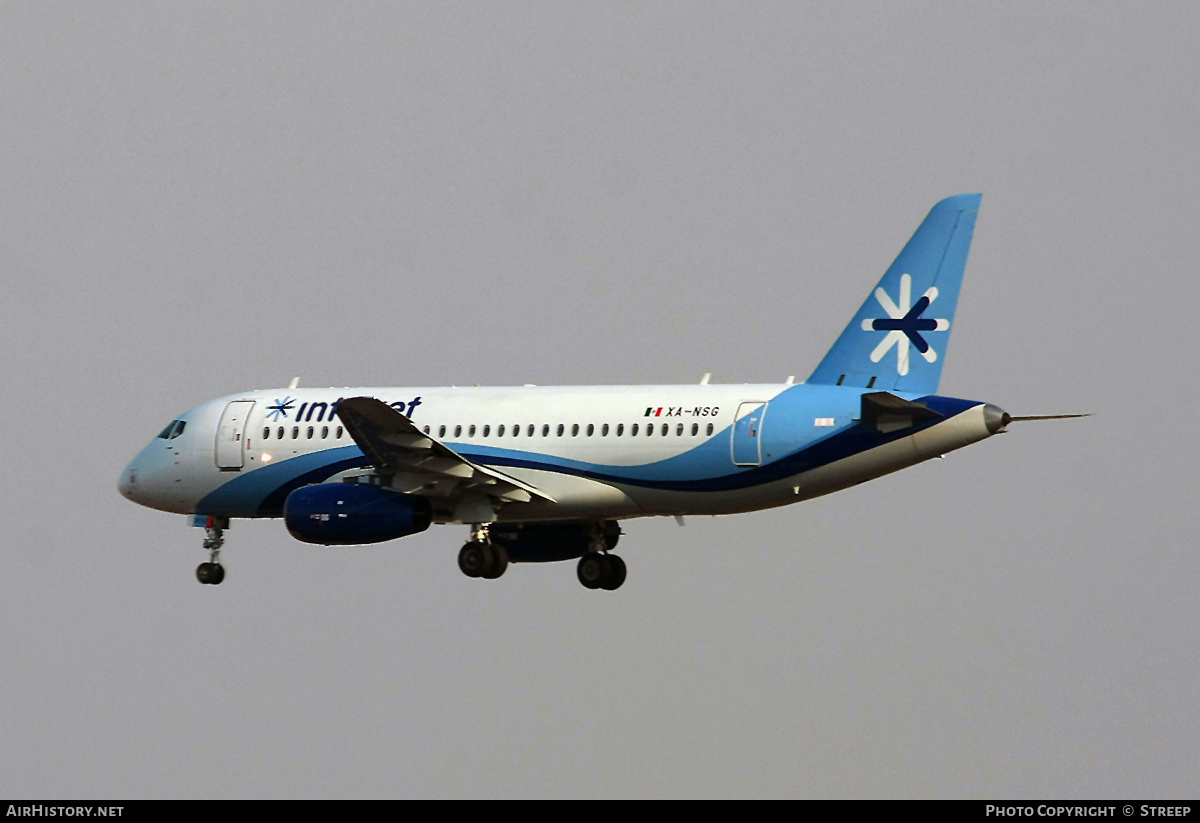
(173, 430)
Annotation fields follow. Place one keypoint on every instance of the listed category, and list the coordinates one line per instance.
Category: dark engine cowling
(342, 514)
(546, 542)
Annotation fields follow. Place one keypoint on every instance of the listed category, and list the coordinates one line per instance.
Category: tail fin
(896, 343)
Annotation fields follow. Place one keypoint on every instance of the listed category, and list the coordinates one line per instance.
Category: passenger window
(295, 432)
(560, 429)
(471, 431)
(666, 428)
(324, 432)
(679, 430)
(695, 429)
(545, 430)
(649, 429)
(710, 429)
(487, 430)
(267, 433)
(633, 430)
(279, 433)
(441, 431)
(620, 429)
(591, 429)
(499, 431)
(604, 430)
(531, 430)
(339, 433)
(575, 430)
(426, 430)
(458, 431)
(310, 432)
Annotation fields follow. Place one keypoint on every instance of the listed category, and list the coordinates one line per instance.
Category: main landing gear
(601, 571)
(488, 556)
(213, 572)
(486, 560)
(481, 557)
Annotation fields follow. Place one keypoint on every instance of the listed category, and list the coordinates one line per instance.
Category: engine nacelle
(343, 514)
(546, 542)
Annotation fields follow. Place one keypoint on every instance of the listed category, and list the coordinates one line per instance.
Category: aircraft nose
(127, 482)
(995, 418)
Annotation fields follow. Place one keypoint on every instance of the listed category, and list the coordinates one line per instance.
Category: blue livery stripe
(706, 468)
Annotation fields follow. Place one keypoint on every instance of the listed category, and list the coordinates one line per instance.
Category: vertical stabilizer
(897, 340)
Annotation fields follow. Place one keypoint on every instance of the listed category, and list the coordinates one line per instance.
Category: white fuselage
(596, 452)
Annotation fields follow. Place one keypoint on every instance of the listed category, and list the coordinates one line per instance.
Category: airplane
(543, 474)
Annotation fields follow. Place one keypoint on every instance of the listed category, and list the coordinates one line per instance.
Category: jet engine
(342, 514)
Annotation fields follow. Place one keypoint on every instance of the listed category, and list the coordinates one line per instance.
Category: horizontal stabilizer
(887, 412)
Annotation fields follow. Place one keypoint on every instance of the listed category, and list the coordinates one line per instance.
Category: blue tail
(898, 339)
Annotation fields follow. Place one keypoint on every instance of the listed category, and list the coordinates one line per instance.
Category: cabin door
(231, 440)
(747, 433)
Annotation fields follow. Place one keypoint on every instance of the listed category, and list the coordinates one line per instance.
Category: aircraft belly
(667, 502)
(575, 498)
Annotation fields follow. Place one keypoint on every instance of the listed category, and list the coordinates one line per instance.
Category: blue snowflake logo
(904, 325)
(280, 408)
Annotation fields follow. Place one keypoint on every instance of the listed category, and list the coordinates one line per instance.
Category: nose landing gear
(212, 572)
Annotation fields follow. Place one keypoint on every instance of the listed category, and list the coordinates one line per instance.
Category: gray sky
(201, 198)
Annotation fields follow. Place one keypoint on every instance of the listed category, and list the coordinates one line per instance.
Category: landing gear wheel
(213, 572)
(497, 561)
(591, 570)
(615, 574)
(601, 571)
(479, 559)
(473, 559)
(210, 573)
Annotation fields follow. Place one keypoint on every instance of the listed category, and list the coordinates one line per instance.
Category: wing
(418, 463)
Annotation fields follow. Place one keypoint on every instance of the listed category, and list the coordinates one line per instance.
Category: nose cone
(995, 418)
(127, 482)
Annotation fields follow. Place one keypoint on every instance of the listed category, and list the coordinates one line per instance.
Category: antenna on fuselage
(295, 382)
(704, 379)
